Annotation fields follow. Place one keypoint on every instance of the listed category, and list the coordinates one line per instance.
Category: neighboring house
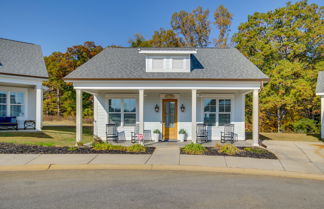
(22, 71)
(320, 92)
(168, 89)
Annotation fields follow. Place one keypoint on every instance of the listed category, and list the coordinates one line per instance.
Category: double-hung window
(210, 112)
(12, 104)
(224, 112)
(3, 103)
(217, 111)
(122, 112)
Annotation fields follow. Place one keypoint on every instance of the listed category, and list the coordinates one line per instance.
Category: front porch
(170, 110)
(22, 98)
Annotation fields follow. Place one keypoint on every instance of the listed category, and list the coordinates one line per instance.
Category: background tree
(166, 38)
(139, 41)
(193, 27)
(223, 21)
(287, 45)
(60, 98)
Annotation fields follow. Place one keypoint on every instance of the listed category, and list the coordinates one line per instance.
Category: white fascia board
(174, 85)
(21, 80)
(167, 51)
(320, 94)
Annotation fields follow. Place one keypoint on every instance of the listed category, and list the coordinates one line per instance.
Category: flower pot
(182, 137)
(156, 137)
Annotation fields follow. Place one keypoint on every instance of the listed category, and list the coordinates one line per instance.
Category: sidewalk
(300, 157)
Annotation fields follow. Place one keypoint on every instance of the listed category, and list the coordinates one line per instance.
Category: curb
(242, 171)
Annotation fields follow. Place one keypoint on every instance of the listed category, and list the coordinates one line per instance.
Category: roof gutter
(163, 79)
(22, 75)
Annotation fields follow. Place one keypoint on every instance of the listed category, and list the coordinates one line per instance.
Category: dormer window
(157, 63)
(168, 60)
(178, 63)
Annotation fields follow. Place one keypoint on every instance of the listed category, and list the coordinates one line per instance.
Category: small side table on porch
(29, 124)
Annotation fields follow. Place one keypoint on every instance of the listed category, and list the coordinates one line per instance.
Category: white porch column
(39, 107)
(322, 117)
(78, 115)
(255, 115)
(193, 115)
(141, 111)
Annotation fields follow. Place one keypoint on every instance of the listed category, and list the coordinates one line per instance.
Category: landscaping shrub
(306, 125)
(229, 149)
(136, 148)
(101, 146)
(72, 148)
(107, 146)
(182, 131)
(255, 150)
(156, 131)
(194, 149)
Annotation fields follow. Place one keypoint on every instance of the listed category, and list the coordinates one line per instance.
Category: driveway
(307, 157)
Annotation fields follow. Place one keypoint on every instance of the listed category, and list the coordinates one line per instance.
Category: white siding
(101, 103)
(152, 119)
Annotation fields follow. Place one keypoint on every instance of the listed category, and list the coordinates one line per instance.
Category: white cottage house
(169, 89)
(320, 92)
(22, 71)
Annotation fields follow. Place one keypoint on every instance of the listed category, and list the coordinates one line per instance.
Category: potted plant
(182, 135)
(156, 135)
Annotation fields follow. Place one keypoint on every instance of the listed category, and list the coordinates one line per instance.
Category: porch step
(165, 156)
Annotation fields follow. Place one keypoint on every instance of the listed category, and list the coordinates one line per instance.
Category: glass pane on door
(169, 114)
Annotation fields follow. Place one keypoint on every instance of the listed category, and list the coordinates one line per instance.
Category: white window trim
(8, 90)
(217, 97)
(122, 108)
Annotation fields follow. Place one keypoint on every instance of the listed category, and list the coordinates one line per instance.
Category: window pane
(3, 97)
(213, 102)
(177, 63)
(169, 115)
(157, 63)
(115, 118)
(3, 110)
(209, 105)
(16, 98)
(129, 105)
(114, 105)
(224, 119)
(16, 110)
(129, 119)
(210, 119)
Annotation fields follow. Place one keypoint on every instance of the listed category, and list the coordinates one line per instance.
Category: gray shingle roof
(320, 82)
(207, 63)
(20, 58)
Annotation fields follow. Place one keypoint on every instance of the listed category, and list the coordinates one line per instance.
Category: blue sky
(58, 24)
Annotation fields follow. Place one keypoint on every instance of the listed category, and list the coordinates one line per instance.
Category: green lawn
(50, 136)
(287, 137)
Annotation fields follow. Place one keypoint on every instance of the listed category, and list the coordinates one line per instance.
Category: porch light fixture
(156, 108)
(182, 108)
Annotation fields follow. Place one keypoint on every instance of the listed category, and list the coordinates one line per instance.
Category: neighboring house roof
(320, 82)
(21, 59)
(207, 63)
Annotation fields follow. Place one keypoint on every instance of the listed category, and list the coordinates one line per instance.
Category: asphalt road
(154, 189)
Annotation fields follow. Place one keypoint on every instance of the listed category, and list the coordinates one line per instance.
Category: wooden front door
(170, 119)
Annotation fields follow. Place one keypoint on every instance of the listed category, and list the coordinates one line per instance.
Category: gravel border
(214, 152)
(11, 148)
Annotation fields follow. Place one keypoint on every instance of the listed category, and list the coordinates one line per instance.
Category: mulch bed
(264, 155)
(10, 148)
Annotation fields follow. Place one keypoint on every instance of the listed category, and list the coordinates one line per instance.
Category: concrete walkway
(301, 157)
